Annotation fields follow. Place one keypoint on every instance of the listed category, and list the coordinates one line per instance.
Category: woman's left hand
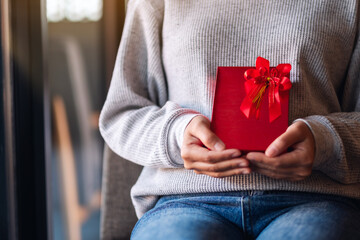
(289, 157)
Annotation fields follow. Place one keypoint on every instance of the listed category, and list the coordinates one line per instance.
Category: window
(74, 10)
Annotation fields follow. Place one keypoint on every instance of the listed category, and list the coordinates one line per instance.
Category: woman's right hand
(203, 152)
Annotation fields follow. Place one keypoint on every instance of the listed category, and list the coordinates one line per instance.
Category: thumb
(210, 140)
(203, 132)
(284, 141)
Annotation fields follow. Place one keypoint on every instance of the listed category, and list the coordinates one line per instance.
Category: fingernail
(219, 146)
(236, 154)
(249, 156)
(243, 164)
(246, 171)
(270, 152)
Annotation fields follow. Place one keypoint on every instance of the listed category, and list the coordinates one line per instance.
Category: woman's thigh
(184, 222)
(316, 220)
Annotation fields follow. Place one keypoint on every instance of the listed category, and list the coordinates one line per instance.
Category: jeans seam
(242, 215)
(250, 217)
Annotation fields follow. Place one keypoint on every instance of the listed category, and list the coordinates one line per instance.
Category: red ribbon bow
(258, 80)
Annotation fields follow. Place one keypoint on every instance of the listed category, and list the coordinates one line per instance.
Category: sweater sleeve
(337, 135)
(137, 120)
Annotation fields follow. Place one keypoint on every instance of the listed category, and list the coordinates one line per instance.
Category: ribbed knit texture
(165, 74)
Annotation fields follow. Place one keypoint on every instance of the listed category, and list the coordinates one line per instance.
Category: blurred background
(83, 37)
(56, 63)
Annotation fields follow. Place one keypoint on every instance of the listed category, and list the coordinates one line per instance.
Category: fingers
(228, 173)
(215, 163)
(293, 135)
(196, 153)
(291, 159)
(203, 152)
(282, 166)
(293, 166)
(222, 169)
(221, 166)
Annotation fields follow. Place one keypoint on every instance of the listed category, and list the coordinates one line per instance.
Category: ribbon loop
(260, 79)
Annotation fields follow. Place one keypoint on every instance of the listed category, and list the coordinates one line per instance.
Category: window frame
(25, 127)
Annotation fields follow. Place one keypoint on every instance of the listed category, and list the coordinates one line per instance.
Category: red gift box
(242, 116)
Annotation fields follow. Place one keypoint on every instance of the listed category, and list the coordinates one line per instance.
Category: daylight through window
(74, 10)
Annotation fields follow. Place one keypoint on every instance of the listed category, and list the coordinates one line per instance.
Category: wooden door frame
(113, 22)
(7, 185)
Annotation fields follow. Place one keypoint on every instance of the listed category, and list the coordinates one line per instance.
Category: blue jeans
(250, 215)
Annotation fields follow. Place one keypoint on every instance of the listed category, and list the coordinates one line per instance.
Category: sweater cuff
(176, 136)
(327, 142)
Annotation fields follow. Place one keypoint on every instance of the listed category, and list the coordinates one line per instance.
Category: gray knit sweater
(165, 74)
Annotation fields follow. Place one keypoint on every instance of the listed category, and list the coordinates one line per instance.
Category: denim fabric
(251, 215)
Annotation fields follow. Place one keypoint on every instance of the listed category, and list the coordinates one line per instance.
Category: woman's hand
(294, 165)
(205, 153)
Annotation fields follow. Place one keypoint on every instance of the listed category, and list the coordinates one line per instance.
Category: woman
(160, 99)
